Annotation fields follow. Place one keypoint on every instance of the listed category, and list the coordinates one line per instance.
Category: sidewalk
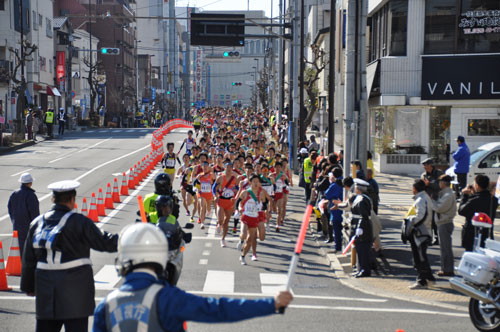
(395, 269)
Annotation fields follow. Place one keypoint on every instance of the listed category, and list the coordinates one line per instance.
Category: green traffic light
(168, 92)
(104, 50)
(226, 53)
(234, 83)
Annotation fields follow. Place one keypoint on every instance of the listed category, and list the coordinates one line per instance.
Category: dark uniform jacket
(63, 293)
(23, 208)
(433, 188)
(482, 201)
(361, 211)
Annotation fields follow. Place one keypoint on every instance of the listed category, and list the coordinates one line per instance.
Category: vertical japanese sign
(198, 71)
(60, 66)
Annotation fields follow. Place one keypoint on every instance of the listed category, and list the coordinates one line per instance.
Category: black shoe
(436, 242)
(362, 275)
(329, 241)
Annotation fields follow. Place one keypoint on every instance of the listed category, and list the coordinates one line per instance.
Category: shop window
(2, 4)
(388, 30)
(439, 140)
(462, 26)
(483, 127)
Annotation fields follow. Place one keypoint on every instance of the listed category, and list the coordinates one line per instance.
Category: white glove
(359, 232)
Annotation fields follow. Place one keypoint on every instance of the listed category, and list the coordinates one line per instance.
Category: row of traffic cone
(13, 267)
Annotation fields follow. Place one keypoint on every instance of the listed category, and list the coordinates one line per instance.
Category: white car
(485, 160)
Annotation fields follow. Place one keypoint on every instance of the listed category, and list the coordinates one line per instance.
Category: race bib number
(170, 163)
(227, 193)
(269, 190)
(251, 209)
(206, 187)
(279, 186)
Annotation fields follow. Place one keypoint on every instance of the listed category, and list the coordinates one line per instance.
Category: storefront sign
(480, 22)
(60, 66)
(461, 77)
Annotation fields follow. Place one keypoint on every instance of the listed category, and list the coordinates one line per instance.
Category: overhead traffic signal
(231, 54)
(110, 51)
(236, 83)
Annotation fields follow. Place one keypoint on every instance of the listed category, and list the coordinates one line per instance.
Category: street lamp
(256, 92)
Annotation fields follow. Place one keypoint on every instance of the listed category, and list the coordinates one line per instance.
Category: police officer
(49, 122)
(163, 186)
(56, 267)
(62, 117)
(361, 227)
(431, 179)
(145, 303)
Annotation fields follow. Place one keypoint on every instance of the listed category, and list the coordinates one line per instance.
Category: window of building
(2, 4)
(388, 30)
(40, 20)
(35, 23)
(483, 127)
(252, 47)
(462, 26)
(48, 27)
(50, 65)
(257, 48)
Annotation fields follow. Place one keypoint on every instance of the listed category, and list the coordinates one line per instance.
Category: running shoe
(242, 260)
(222, 243)
(187, 213)
(191, 220)
(218, 228)
(202, 226)
(254, 258)
(277, 229)
(199, 221)
(235, 230)
(239, 245)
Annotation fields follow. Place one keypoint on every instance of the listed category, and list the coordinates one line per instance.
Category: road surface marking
(208, 244)
(212, 228)
(203, 261)
(81, 150)
(89, 131)
(206, 253)
(26, 170)
(106, 278)
(388, 310)
(6, 235)
(271, 283)
(227, 239)
(219, 282)
(88, 173)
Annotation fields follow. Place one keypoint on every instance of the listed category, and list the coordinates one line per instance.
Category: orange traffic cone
(137, 175)
(84, 206)
(108, 201)
(124, 186)
(14, 259)
(101, 211)
(93, 210)
(131, 180)
(3, 276)
(116, 193)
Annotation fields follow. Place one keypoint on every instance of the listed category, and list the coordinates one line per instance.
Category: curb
(16, 147)
(345, 280)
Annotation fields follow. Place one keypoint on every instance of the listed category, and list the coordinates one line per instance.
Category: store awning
(51, 91)
(371, 70)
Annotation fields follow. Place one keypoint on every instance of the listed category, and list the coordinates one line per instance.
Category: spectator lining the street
(462, 162)
(431, 179)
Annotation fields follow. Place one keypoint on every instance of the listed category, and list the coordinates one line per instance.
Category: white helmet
(141, 243)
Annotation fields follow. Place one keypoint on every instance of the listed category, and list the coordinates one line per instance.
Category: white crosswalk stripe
(390, 199)
(106, 278)
(272, 282)
(219, 282)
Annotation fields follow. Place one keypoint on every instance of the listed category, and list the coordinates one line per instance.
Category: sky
(232, 5)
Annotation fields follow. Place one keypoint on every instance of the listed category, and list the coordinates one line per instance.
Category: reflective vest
(308, 169)
(150, 207)
(49, 117)
(133, 311)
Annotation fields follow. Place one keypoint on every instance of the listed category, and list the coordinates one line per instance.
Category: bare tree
(94, 69)
(28, 48)
(263, 86)
(311, 76)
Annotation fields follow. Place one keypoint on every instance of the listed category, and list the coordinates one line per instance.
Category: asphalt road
(321, 302)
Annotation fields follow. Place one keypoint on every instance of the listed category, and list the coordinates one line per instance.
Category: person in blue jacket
(145, 302)
(335, 192)
(462, 162)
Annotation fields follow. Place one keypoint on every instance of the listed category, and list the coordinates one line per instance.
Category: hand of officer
(282, 299)
(359, 231)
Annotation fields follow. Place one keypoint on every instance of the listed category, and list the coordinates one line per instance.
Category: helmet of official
(163, 184)
(139, 245)
(163, 201)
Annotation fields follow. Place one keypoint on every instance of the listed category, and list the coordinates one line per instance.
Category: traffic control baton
(349, 245)
(141, 209)
(298, 249)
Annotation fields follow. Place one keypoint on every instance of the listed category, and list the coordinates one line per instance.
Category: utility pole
(363, 102)
(302, 113)
(331, 74)
(349, 86)
(294, 75)
(281, 61)
(171, 49)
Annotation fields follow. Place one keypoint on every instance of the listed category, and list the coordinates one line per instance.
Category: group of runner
(231, 164)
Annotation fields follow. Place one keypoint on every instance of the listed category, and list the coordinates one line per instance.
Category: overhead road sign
(218, 29)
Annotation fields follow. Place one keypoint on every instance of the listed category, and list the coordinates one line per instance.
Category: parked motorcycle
(479, 278)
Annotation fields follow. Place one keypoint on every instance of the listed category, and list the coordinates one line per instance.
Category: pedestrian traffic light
(236, 83)
(168, 92)
(110, 51)
(232, 54)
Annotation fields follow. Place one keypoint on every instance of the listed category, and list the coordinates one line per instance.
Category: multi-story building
(435, 75)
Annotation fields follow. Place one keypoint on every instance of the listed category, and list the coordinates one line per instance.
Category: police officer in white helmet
(56, 266)
(146, 303)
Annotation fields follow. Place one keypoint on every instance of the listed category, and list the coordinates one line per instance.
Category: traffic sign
(73, 94)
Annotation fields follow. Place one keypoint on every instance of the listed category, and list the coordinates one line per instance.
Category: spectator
(23, 208)
(360, 174)
(341, 158)
(313, 146)
(369, 163)
(477, 198)
(445, 208)
(462, 162)
(419, 235)
(29, 124)
(431, 179)
(335, 192)
(36, 125)
(373, 190)
(308, 173)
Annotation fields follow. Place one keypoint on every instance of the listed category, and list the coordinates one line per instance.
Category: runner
(280, 179)
(268, 185)
(189, 142)
(187, 193)
(168, 161)
(225, 193)
(206, 179)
